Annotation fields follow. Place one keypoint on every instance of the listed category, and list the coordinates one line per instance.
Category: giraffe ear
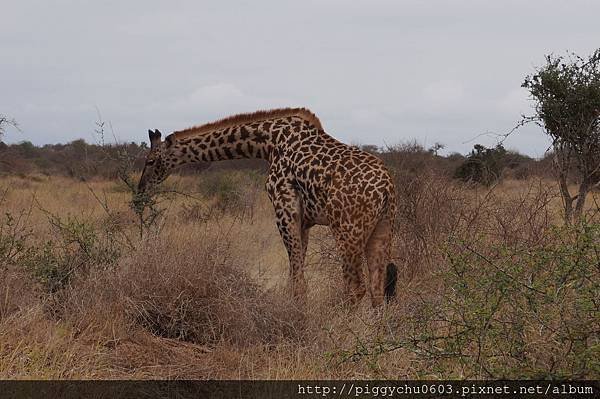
(154, 138)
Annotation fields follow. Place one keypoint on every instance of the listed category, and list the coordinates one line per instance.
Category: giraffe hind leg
(351, 251)
(353, 277)
(382, 275)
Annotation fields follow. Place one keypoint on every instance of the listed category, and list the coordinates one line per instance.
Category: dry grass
(203, 295)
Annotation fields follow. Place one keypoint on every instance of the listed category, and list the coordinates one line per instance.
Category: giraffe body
(313, 179)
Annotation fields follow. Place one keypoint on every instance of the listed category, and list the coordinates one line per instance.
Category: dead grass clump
(17, 291)
(35, 346)
(194, 212)
(509, 213)
(195, 291)
(430, 207)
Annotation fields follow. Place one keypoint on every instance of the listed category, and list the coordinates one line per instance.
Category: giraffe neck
(252, 140)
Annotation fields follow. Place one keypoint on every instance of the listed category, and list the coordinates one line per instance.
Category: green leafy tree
(566, 92)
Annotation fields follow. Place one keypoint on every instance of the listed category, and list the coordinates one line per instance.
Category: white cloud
(444, 92)
(367, 116)
(216, 94)
(516, 101)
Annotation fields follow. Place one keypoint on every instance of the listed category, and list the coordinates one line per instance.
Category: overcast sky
(375, 72)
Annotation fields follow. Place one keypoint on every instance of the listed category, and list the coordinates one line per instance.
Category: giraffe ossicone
(313, 179)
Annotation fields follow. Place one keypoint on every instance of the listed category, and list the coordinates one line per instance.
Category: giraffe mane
(248, 118)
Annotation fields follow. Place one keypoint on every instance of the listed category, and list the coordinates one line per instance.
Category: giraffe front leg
(292, 236)
(288, 214)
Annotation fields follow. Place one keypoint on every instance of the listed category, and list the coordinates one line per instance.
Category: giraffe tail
(391, 276)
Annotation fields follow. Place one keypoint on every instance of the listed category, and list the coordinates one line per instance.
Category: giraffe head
(155, 169)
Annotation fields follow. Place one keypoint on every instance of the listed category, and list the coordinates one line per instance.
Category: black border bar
(298, 389)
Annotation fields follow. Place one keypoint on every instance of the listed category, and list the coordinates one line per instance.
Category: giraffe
(313, 179)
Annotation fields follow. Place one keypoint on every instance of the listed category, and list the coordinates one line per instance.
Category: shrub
(77, 247)
(15, 233)
(232, 191)
(509, 311)
(483, 165)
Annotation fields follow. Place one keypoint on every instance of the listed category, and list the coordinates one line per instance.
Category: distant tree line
(82, 160)
(482, 165)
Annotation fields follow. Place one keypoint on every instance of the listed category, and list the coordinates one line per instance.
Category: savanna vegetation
(495, 279)
(492, 283)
